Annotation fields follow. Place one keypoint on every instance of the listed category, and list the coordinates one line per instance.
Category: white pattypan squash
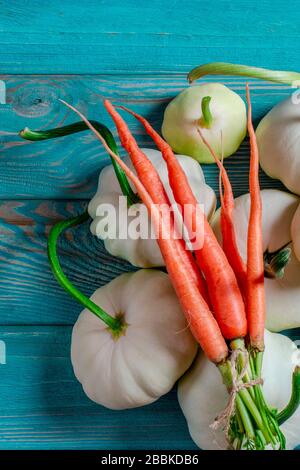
(278, 138)
(184, 115)
(154, 350)
(142, 252)
(202, 396)
(295, 231)
(282, 294)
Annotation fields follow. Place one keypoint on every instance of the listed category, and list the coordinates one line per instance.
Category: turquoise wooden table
(136, 53)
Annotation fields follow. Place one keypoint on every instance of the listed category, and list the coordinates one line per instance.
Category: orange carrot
(149, 176)
(227, 226)
(225, 295)
(201, 321)
(255, 264)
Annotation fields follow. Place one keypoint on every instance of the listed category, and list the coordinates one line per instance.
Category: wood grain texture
(68, 167)
(136, 53)
(145, 37)
(29, 294)
(42, 405)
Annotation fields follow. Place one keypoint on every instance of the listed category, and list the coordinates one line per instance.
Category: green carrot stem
(237, 443)
(261, 439)
(252, 397)
(244, 400)
(294, 402)
(239, 421)
(224, 68)
(239, 343)
(245, 418)
(270, 423)
(254, 411)
(207, 118)
(114, 324)
(259, 362)
(47, 134)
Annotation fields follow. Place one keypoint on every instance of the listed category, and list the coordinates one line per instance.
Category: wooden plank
(29, 294)
(145, 37)
(42, 406)
(68, 168)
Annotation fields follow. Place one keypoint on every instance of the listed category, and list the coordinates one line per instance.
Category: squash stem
(47, 134)
(276, 262)
(294, 402)
(225, 68)
(115, 325)
(207, 118)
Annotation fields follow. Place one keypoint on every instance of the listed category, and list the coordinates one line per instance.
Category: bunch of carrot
(221, 296)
